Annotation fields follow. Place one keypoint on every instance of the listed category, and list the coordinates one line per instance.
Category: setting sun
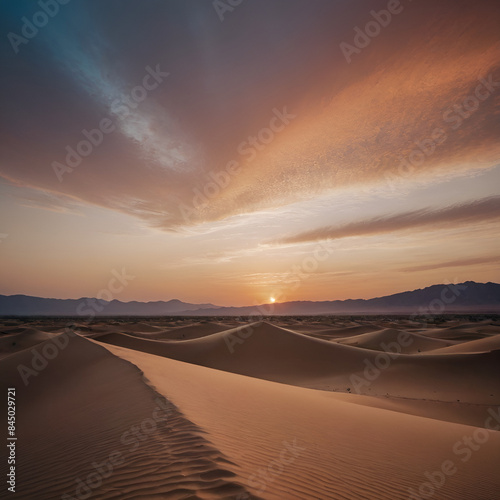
(272, 300)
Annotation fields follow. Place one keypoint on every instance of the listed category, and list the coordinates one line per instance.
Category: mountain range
(467, 297)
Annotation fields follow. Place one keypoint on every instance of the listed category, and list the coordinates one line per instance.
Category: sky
(234, 152)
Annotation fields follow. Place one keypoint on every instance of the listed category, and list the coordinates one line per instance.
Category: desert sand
(286, 408)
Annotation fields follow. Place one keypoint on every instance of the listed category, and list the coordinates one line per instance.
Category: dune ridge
(344, 450)
(20, 339)
(97, 401)
(486, 344)
(266, 351)
(375, 339)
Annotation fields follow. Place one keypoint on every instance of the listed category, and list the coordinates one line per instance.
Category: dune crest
(281, 355)
(121, 439)
(342, 450)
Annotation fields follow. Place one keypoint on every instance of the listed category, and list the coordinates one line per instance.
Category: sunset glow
(246, 152)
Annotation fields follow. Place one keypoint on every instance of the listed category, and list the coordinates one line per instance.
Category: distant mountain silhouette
(468, 297)
(24, 305)
(453, 298)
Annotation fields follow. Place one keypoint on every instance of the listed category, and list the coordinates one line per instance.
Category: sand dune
(354, 330)
(456, 412)
(193, 331)
(27, 337)
(476, 325)
(338, 332)
(457, 334)
(486, 344)
(141, 328)
(259, 349)
(343, 450)
(487, 329)
(97, 402)
(377, 339)
(238, 414)
(161, 331)
(336, 329)
(272, 353)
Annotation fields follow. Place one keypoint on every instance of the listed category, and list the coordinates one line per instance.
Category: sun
(272, 300)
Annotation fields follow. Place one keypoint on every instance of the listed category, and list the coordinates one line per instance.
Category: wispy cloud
(130, 104)
(453, 263)
(350, 130)
(467, 213)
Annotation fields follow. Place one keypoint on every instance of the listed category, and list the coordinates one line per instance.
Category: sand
(376, 339)
(277, 354)
(486, 344)
(254, 411)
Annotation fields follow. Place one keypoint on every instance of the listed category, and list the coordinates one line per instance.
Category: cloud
(354, 122)
(42, 199)
(453, 263)
(474, 212)
(130, 104)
